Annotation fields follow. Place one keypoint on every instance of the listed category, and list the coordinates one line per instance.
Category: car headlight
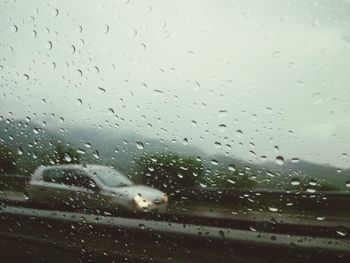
(142, 202)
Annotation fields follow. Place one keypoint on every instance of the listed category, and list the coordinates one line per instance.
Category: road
(186, 232)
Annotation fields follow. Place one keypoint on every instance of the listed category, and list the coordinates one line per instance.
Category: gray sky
(278, 71)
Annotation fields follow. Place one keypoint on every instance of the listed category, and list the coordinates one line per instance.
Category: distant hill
(121, 148)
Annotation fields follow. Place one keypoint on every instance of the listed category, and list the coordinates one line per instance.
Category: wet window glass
(160, 131)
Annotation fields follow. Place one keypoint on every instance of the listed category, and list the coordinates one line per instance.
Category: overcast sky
(278, 71)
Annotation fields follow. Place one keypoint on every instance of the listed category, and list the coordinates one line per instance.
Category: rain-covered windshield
(111, 177)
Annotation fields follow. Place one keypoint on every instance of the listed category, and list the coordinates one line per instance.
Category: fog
(275, 71)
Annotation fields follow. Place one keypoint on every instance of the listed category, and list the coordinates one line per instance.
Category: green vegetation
(232, 178)
(60, 155)
(168, 171)
(8, 160)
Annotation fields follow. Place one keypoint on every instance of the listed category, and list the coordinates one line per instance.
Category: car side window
(79, 179)
(53, 176)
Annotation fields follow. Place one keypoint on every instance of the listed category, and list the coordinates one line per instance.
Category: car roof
(77, 166)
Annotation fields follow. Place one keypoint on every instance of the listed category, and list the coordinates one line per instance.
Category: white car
(92, 186)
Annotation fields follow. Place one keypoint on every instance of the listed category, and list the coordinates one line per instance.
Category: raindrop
(14, 28)
(79, 29)
(101, 89)
(79, 101)
(276, 54)
(26, 77)
(49, 45)
(72, 49)
(214, 162)
(55, 12)
(20, 151)
(139, 145)
(185, 141)
(67, 158)
(96, 154)
(222, 234)
(232, 168)
(143, 46)
(222, 127)
(295, 160)
(34, 33)
(347, 184)
(273, 209)
(110, 111)
(79, 73)
(312, 183)
(280, 160)
(341, 231)
(295, 181)
(203, 184)
(88, 145)
(106, 29)
(239, 133)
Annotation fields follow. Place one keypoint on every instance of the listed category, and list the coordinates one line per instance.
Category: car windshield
(111, 177)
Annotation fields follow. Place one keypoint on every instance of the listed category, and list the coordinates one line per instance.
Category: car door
(83, 190)
(52, 190)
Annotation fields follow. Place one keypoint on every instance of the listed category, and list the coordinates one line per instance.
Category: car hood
(145, 192)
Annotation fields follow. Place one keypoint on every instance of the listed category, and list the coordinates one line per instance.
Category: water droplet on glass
(222, 127)
(49, 45)
(72, 49)
(20, 151)
(79, 73)
(347, 184)
(273, 209)
(139, 145)
(295, 160)
(280, 160)
(88, 145)
(203, 184)
(143, 46)
(79, 102)
(276, 54)
(101, 89)
(14, 28)
(341, 231)
(295, 181)
(67, 158)
(239, 133)
(185, 141)
(232, 168)
(106, 29)
(55, 12)
(96, 154)
(214, 162)
(110, 112)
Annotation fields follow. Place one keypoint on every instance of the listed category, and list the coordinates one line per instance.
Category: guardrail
(80, 235)
(14, 182)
